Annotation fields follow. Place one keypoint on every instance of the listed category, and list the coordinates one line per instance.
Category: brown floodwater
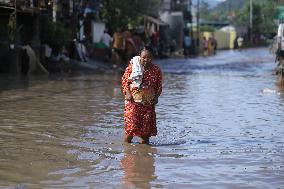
(220, 125)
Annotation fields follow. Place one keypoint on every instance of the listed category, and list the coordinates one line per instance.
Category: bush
(53, 34)
(207, 28)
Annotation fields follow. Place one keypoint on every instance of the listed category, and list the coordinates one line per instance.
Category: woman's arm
(126, 83)
(159, 83)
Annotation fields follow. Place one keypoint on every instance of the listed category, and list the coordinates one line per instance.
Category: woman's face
(146, 57)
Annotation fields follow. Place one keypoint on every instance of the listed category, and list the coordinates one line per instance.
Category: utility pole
(15, 40)
(251, 17)
(54, 10)
(229, 10)
(197, 26)
(16, 12)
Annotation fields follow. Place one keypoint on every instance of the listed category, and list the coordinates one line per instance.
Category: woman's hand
(156, 99)
(128, 95)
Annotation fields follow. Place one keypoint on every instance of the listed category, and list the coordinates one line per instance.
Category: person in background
(240, 41)
(118, 46)
(236, 42)
(210, 46)
(138, 41)
(141, 86)
(214, 44)
(107, 41)
(155, 42)
(173, 46)
(186, 45)
(205, 46)
(130, 46)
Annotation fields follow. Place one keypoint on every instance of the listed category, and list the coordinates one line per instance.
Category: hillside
(210, 11)
(229, 5)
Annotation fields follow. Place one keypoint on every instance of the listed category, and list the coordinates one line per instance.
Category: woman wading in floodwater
(141, 85)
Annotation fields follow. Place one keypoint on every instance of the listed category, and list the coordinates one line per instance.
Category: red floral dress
(139, 119)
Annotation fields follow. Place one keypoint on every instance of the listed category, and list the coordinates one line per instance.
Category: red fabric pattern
(140, 120)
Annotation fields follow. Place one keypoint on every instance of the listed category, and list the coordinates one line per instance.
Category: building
(21, 26)
(176, 13)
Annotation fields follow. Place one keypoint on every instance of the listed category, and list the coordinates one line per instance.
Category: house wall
(97, 31)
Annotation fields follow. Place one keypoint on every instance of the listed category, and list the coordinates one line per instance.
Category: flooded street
(220, 125)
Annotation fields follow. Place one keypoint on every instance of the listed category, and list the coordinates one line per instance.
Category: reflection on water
(220, 125)
(138, 165)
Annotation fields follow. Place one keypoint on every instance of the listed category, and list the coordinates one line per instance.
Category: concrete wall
(176, 23)
(97, 31)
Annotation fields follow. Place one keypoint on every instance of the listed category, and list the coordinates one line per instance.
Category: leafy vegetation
(13, 30)
(264, 12)
(207, 28)
(53, 34)
(121, 13)
(237, 12)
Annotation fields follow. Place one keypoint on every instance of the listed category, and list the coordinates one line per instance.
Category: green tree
(223, 12)
(117, 13)
(243, 17)
(204, 12)
(207, 28)
(263, 16)
(53, 34)
(269, 14)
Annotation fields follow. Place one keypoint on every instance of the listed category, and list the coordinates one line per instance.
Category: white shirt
(240, 41)
(106, 39)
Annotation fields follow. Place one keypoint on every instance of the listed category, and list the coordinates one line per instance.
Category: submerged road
(220, 125)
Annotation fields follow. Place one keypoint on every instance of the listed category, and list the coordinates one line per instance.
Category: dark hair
(149, 49)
